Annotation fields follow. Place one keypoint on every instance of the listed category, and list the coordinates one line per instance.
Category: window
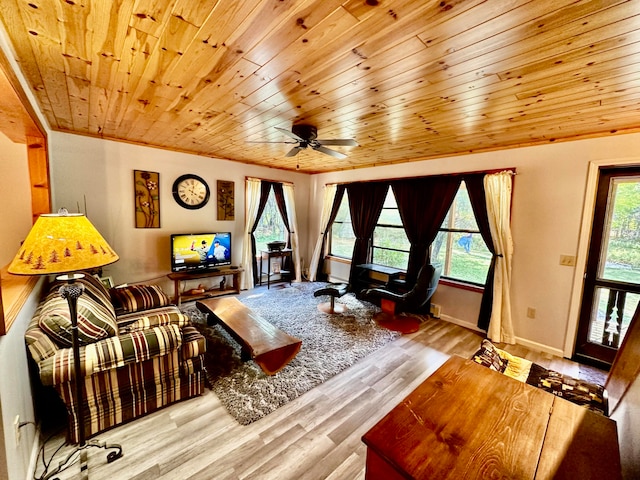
(342, 238)
(459, 247)
(271, 226)
(390, 244)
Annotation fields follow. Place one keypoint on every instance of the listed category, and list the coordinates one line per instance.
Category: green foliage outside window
(342, 237)
(390, 243)
(271, 226)
(622, 252)
(459, 247)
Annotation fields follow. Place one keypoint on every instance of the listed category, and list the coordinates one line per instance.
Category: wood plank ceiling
(15, 121)
(407, 79)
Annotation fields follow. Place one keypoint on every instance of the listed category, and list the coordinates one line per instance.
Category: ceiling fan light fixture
(307, 132)
(306, 136)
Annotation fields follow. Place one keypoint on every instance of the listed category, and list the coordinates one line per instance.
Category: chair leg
(331, 306)
(388, 306)
(388, 312)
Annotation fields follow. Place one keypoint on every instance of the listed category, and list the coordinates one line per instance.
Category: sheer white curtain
(252, 201)
(327, 204)
(289, 200)
(498, 195)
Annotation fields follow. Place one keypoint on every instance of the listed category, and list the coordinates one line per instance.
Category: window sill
(461, 285)
(443, 281)
(338, 259)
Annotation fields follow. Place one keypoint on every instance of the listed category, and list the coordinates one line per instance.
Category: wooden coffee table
(265, 344)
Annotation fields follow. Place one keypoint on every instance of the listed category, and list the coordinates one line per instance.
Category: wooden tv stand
(214, 291)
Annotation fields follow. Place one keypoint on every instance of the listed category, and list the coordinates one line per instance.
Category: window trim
(286, 233)
(444, 280)
(335, 258)
(449, 282)
(457, 282)
(453, 282)
(373, 247)
(330, 233)
(330, 241)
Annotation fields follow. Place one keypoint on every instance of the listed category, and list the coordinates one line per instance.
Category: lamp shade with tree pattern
(62, 243)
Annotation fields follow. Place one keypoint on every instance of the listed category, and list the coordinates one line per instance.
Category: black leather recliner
(415, 299)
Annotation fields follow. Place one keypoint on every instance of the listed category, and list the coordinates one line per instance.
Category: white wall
(15, 389)
(100, 172)
(15, 392)
(16, 197)
(549, 191)
(15, 215)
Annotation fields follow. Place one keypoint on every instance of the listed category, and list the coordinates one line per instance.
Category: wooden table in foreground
(466, 421)
(264, 343)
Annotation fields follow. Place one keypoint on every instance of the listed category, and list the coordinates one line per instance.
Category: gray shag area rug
(330, 344)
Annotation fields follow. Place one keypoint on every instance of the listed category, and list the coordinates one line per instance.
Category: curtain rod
(497, 170)
(267, 180)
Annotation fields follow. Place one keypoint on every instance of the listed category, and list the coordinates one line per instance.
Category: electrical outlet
(16, 428)
(567, 260)
(531, 312)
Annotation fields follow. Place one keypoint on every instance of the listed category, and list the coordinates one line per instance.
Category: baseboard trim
(540, 347)
(558, 352)
(462, 323)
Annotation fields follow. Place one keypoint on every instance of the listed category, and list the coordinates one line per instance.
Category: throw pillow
(95, 321)
(489, 356)
(135, 298)
(93, 289)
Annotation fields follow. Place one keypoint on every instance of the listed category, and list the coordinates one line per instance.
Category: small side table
(268, 255)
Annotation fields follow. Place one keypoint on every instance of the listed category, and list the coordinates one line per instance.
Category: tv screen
(200, 251)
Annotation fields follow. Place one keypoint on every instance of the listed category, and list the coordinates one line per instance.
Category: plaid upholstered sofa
(138, 353)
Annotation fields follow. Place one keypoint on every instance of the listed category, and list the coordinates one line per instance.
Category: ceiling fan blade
(293, 152)
(345, 142)
(255, 141)
(328, 151)
(289, 134)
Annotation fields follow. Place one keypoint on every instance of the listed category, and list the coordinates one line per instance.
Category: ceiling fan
(306, 136)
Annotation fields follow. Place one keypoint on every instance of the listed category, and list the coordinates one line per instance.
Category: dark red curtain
(475, 188)
(282, 208)
(265, 188)
(337, 200)
(423, 204)
(365, 203)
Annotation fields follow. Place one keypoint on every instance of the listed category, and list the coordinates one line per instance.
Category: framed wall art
(147, 198)
(226, 203)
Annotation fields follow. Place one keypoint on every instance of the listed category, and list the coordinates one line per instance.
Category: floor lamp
(64, 243)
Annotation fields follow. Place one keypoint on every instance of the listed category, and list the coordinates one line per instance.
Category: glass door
(612, 278)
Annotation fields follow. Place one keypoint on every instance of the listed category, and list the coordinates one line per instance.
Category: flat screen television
(200, 251)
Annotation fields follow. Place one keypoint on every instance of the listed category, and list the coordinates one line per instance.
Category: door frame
(584, 238)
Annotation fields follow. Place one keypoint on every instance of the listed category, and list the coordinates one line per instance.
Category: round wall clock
(191, 191)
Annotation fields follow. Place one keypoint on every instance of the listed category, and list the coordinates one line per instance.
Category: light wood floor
(317, 436)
